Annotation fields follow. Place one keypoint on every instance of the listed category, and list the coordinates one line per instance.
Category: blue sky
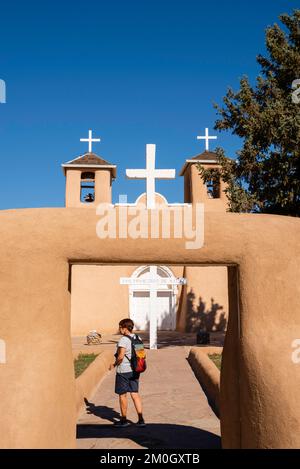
(135, 72)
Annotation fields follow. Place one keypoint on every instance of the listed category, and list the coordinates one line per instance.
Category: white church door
(140, 311)
(139, 300)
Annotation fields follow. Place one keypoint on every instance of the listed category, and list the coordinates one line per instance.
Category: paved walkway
(165, 339)
(175, 409)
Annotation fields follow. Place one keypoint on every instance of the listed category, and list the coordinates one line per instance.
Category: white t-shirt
(125, 366)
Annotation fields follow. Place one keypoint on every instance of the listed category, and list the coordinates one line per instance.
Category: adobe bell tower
(196, 190)
(88, 179)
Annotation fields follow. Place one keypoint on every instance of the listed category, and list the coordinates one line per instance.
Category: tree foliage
(265, 177)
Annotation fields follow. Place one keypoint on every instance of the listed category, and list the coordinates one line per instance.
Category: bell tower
(196, 190)
(88, 181)
(88, 178)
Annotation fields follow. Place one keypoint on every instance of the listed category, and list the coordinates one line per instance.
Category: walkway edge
(88, 381)
(208, 376)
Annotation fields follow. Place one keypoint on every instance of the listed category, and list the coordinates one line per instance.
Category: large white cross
(207, 138)
(90, 140)
(153, 281)
(150, 174)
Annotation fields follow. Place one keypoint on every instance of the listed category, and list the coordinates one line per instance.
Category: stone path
(175, 409)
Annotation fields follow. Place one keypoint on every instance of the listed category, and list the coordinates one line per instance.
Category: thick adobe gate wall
(260, 383)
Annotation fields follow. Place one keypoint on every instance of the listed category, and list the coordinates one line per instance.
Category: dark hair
(127, 323)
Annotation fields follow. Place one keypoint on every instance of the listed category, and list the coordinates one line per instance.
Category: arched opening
(213, 186)
(99, 287)
(87, 187)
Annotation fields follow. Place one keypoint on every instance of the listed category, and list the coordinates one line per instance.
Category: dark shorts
(127, 382)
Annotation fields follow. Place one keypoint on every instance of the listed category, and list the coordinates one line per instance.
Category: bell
(89, 198)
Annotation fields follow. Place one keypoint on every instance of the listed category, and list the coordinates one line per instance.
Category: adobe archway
(260, 383)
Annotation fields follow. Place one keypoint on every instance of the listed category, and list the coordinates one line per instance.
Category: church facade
(98, 298)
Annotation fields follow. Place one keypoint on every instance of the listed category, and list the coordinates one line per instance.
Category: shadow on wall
(202, 317)
(167, 321)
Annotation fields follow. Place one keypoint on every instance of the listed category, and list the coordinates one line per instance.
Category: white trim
(201, 161)
(145, 281)
(155, 194)
(141, 268)
(113, 167)
(135, 204)
(89, 165)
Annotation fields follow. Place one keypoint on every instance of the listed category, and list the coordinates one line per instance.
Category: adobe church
(98, 299)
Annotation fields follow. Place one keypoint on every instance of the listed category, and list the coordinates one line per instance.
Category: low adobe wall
(208, 376)
(259, 401)
(88, 381)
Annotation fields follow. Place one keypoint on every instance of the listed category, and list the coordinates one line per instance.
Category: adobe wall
(98, 301)
(205, 304)
(37, 405)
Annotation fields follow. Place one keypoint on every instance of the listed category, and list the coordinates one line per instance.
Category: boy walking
(126, 379)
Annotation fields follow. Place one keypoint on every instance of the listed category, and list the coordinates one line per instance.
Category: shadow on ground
(174, 338)
(154, 435)
(104, 412)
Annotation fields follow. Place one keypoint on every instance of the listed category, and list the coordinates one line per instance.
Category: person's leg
(123, 405)
(137, 402)
(121, 388)
(138, 405)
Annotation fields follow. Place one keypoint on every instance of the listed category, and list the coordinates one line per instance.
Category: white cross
(153, 281)
(150, 174)
(90, 140)
(206, 138)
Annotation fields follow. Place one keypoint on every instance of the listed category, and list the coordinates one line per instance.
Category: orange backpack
(138, 354)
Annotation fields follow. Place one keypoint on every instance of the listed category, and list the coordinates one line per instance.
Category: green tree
(265, 177)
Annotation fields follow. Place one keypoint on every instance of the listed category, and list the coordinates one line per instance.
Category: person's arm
(120, 356)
